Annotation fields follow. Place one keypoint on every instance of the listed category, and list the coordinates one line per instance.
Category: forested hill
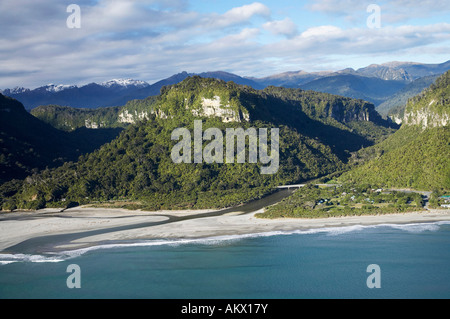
(417, 155)
(28, 144)
(317, 133)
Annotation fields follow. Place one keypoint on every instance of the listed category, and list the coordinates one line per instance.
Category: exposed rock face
(431, 108)
(396, 119)
(214, 107)
(132, 117)
(90, 124)
(426, 118)
(343, 114)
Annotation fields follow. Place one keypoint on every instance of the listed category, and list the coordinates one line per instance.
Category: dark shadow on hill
(91, 139)
(279, 112)
(28, 144)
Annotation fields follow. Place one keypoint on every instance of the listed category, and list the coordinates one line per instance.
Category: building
(446, 198)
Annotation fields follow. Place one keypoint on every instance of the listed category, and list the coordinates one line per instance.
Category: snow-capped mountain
(124, 83)
(57, 88)
(114, 92)
(16, 90)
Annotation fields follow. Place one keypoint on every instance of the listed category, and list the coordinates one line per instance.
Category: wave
(12, 258)
(416, 228)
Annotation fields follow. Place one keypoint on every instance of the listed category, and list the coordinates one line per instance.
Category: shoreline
(81, 227)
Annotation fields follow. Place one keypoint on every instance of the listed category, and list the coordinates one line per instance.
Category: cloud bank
(151, 39)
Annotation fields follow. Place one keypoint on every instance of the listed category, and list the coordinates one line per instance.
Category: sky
(47, 41)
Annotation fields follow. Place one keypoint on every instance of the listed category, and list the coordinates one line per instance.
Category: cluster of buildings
(446, 199)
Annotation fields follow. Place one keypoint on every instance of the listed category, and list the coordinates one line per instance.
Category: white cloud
(150, 40)
(281, 27)
(321, 32)
(331, 40)
(237, 16)
(245, 12)
(339, 7)
(393, 11)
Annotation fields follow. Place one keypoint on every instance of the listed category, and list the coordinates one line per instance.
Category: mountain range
(375, 83)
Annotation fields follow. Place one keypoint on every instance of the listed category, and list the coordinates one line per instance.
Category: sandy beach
(89, 226)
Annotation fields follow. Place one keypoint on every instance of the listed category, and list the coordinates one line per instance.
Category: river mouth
(59, 242)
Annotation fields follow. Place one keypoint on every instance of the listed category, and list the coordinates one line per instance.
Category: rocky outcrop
(431, 108)
(346, 113)
(130, 117)
(426, 118)
(215, 107)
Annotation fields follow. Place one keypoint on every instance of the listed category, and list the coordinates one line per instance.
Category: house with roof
(446, 198)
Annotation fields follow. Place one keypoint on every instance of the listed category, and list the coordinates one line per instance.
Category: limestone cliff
(431, 108)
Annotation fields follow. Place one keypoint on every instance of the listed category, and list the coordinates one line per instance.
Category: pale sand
(18, 227)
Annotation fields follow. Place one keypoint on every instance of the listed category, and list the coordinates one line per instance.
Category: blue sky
(152, 39)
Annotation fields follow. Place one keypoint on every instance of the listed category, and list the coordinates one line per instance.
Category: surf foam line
(216, 240)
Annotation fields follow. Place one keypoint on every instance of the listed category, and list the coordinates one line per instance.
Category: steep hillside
(385, 72)
(28, 144)
(431, 108)
(420, 162)
(69, 118)
(417, 155)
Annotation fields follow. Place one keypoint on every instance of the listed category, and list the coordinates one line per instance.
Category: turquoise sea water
(414, 262)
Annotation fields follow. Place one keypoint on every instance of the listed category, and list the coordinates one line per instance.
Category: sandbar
(95, 225)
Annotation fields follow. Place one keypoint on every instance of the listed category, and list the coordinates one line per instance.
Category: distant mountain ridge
(394, 71)
(371, 89)
(110, 93)
(114, 92)
(375, 83)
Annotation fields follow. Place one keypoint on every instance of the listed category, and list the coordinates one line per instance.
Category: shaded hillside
(68, 118)
(421, 163)
(28, 144)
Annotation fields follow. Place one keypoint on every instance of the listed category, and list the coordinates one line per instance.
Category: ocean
(411, 261)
